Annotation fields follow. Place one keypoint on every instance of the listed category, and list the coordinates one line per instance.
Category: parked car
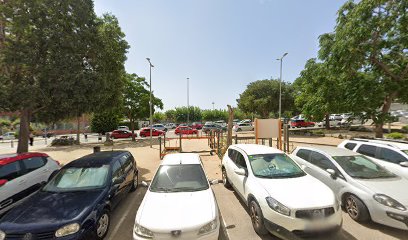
(21, 175)
(145, 132)
(333, 123)
(246, 121)
(123, 128)
(280, 196)
(337, 117)
(9, 136)
(160, 127)
(209, 127)
(179, 202)
(170, 125)
(222, 123)
(365, 189)
(76, 203)
(197, 125)
(122, 134)
(393, 155)
(185, 130)
(243, 127)
(298, 123)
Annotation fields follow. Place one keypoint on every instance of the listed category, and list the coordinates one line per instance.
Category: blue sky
(221, 45)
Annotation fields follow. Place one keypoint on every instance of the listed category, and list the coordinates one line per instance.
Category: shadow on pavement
(394, 232)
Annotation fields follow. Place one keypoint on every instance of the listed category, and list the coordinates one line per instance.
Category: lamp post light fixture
(280, 84)
(151, 103)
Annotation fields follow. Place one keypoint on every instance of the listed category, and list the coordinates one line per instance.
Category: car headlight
(209, 227)
(142, 231)
(67, 230)
(277, 206)
(389, 202)
(2, 235)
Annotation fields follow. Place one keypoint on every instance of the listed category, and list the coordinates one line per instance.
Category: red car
(197, 126)
(122, 134)
(301, 123)
(144, 132)
(185, 130)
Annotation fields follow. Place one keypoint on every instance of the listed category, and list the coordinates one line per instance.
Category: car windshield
(359, 166)
(179, 178)
(78, 179)
(274, 166)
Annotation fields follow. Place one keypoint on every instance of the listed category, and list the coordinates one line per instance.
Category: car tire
(135, 182)
(257, 219)
(102, 225)
(356, 209)
(225, 180)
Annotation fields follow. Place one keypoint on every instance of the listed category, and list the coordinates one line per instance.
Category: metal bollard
(12, 144)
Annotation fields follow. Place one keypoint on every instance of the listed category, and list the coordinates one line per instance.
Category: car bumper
(210, 236)
(390, 217)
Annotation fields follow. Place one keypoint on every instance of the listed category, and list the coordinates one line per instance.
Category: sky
(221, 45)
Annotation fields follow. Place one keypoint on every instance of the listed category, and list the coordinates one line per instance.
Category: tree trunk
(132, 126)
(23, 135)
(385, 109)
(230, 121)
(327, 121)
(78, 129)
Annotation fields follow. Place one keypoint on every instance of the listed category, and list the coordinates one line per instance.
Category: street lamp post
(280, 84)
(188, 102)
(213, 106)
(150, 103)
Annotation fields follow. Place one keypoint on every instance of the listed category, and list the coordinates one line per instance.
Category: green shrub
(318, 132)
(63, 142)
(405, 128)
(395, 135)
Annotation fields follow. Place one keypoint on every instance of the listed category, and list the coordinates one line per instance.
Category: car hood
(300, 192)
(46, 209)
(176, 211)
(392, 187)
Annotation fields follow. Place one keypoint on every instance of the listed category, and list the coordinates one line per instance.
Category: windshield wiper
(186, 189)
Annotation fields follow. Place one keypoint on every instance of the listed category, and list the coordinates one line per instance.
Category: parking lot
(237, 222)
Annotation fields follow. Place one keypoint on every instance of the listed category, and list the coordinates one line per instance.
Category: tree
(105, 121)
(136, 99)
(368, 52)
(262, 97)
(194, 114)
(318, 92)
(159, 117)
(170, 115)
(215, 115)
(54, 62)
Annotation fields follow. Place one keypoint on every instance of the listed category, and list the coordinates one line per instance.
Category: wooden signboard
(268, 129)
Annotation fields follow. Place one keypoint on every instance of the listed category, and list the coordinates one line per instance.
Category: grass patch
(395, 135)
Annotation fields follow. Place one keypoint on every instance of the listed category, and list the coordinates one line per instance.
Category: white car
(170, 125)
(160, 127)
(9, 136)
(366, 190)
(22, 175)
(393, 155)
(179, 203)
(281, 197)
(123, 128)
(243, 127)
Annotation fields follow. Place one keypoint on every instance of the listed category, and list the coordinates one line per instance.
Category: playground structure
(175, 144)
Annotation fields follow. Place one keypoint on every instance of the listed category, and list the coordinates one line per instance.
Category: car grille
(315, 213)
(30, 236)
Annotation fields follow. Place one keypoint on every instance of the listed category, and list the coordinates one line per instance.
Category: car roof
(181, 158)
(96, 159)
(332, 151)
(252, 149)
(9, 158)
(378, 142)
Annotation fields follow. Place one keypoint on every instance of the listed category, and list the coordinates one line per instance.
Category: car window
(321, 161)
(350, 146)
(277, 165)
(240, 160)
(126, 163)
(33, 163)
(360, 166)
(231, 153)
(391, 156)
(367, 150)
(10, 171)
(116, 171)
(304, 154)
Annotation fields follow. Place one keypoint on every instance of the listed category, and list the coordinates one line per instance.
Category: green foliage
(5, 123)
(105, 121)
(195, 114)
(170, 115)
(63, 142)
(395, 135)
(215, 115)
(262, 97)
(405, 128)
(158, 117)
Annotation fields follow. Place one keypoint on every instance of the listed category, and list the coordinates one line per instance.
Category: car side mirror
(145, 184)
(404, 164)
(215, 181)
(332, 173)
(2, 182)
(241, 171)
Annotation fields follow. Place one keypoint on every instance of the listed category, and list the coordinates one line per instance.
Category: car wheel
(135, 182)
(356, 209)
(225, 180)
(102, 225)
(257, 219)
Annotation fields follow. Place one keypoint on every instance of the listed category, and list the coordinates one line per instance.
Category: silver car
(366, 190)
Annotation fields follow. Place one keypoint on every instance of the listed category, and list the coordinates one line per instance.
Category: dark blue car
(76, 203)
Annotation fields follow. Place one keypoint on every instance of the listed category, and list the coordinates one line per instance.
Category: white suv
(243, 127)
(393, 155)
(23, 174)
(281, 197)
